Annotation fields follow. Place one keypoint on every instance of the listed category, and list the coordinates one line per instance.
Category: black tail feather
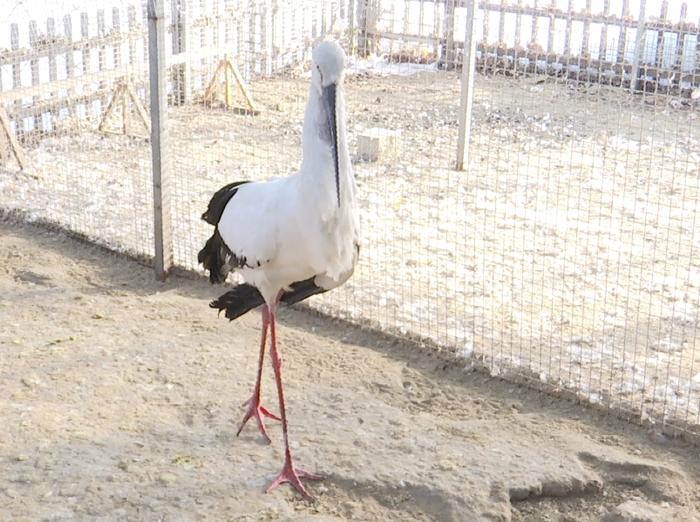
(244, 297)
(238, 301)
(301, 290)
(214, 258)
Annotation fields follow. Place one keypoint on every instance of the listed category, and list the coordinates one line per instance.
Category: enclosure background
(564, 254)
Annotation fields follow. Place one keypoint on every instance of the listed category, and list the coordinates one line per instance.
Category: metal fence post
(161, 202)
(467, 91)
(351, 26)
(367, 15)
(450, 61)
(362, 23)
(638, 46)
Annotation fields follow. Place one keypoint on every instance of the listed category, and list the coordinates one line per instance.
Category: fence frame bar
(638, 46)
(162, 229)
(467, 88)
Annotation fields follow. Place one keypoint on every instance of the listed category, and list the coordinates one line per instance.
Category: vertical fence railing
(638, 46)
(161, 198)
(467, 88)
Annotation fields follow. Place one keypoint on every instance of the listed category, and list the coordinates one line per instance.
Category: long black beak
(329, 102)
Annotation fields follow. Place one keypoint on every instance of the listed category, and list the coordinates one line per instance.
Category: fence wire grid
(566, 251)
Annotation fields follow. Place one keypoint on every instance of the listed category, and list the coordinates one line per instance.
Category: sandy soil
(120, 397)
(567, 252)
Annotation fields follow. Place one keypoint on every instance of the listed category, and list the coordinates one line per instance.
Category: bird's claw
(294, 475)
(255, 409)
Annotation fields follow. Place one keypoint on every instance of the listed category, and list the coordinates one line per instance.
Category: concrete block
(376, 143)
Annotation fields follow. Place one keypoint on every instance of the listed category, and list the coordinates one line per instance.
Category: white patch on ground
(377, 65)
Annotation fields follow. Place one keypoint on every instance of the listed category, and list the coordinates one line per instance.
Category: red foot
(255, 409)
(293, 475)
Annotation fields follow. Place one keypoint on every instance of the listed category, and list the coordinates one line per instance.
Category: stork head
(328, 64)
(326, 74)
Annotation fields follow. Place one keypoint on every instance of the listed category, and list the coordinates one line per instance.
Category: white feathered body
(291, 229)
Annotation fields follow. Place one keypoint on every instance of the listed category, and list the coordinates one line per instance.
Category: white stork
(292, 237)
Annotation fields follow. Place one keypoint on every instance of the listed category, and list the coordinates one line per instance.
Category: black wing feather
(219, 201)
(216, 256)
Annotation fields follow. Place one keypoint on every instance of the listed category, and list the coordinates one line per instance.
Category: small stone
(445, 465)
(658, 437)
(167, 478)
(186, 461)
(23, 479)
(515, 405)
(350, 508)
(71, 490)
(30, 381)
(635, 510)
(21, 457)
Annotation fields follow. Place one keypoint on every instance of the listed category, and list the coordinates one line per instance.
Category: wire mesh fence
(589, 198)
(564, 253)
(63, 77)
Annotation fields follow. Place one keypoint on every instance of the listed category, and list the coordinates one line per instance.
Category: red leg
(289, 473)
(255, 409)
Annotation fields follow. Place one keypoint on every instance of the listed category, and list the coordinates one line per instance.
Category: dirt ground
(120, 398)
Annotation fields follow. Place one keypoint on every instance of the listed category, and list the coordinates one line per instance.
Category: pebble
(30, 381)
(70, 490)
(445, 465)
(167, 478)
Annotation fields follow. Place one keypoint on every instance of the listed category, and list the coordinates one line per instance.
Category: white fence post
(467, 91)
(161, 201)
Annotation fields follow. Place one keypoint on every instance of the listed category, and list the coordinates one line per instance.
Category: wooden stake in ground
(229, 70)
(9, 146)
(122, 97)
